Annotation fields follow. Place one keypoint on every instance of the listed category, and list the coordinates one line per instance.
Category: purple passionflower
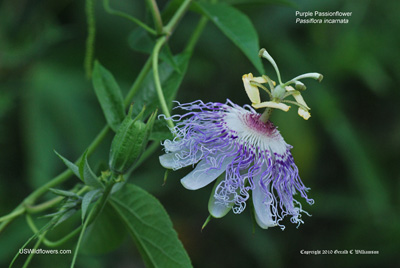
(247, 155)
(242, 151)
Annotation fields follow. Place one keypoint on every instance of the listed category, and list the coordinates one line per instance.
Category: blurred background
(348, 152)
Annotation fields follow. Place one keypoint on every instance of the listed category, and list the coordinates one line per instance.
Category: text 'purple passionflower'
(242, 151)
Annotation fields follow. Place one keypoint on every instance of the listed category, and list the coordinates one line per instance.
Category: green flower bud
(129, 142)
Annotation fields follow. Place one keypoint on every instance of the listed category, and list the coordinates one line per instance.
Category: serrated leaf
(105, 234)
(68, 214)
(70, 204)
(87, 174)
(237, 27)
(170, 81)
(150, 228)
(64, 193)
(51, 215)
(109, 95)
(74, 168)
(87, 200)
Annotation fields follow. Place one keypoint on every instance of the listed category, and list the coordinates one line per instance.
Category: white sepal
(204, 173)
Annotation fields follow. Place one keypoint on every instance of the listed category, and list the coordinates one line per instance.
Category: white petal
(172, 146)
(171, 161)
(168, 161)
(202, 175)
(252, 91)
(262, 207)
(272, 104)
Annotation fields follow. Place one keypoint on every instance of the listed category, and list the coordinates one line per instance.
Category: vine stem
(177, 16)
(66, 174)
(30, 199)
(50, 203)
(138, 82)
(156, 50)
(164, 107)
(107, 7)
(88, 62)
(92, 216)
(196, 35)
(155, 12)
(47, 242)
(28, 260)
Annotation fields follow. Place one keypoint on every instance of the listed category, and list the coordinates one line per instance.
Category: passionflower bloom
(242, 151)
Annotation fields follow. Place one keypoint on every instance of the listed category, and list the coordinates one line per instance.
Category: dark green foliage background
(348, 152)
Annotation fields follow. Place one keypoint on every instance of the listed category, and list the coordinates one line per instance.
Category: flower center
(251, 131)
(253, 121)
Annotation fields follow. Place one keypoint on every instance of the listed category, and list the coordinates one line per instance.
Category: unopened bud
(129, 142)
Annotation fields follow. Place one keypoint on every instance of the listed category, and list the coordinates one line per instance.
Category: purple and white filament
(247, 156)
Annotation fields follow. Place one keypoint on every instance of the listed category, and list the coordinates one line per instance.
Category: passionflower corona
(242, 151)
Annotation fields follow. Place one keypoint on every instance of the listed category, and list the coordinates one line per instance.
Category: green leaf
(64, 193)
(87, 174)
(160, 131)
(170, 81)
(74, 168)
(150, 228)
(105, 234)
(141, 41)
(60, 219)
(109, 95)
(87, 200)
(237, 27)
(261, 2)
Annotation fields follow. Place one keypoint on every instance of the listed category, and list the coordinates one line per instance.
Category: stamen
(298, 104)
(261, 86)
(271, 83)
